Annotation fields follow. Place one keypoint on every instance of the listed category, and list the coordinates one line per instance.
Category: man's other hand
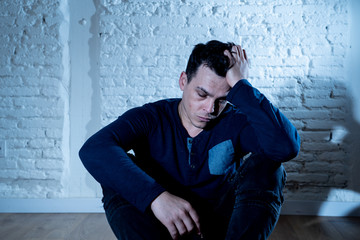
(239, 65)
(178, 216)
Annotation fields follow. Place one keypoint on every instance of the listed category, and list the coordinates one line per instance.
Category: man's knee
(261, 174)
(127, 222)
(258, 198)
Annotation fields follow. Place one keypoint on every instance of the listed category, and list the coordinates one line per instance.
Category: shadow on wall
(351, 192)
(328, 165)
(351, 125)
(94, 54)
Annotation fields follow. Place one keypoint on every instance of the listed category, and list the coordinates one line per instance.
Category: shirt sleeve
(104, 155)
(268, 131)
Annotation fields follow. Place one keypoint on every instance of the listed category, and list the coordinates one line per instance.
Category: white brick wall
(32, 101)
(298, 51)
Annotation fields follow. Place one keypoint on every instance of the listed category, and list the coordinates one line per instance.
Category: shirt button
(192, 166)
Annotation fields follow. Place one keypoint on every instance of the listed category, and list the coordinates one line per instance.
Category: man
(206, 166)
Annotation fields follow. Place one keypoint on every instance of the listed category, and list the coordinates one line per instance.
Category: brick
(325, 103)
(17, 143)
(26, 164)
(14, 81)
(25, 153)
(331, 156)
(314, 147)
(49, 164)
(33, 102)
(41, 143)
(321, 124)
(329, 61)
(320, 114)
(52, 153)
(315, 136)
(19, 91)
(40, 123)
(53, 133)
(293, 166)
(341, 180)
(22, 133)
(313, 167)
(288, 10)
(308, 178)
(285, 71)
(288, 102)
(8, 164)
(8, 123)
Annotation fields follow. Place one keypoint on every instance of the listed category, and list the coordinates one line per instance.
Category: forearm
(109, 164)
(276, 136)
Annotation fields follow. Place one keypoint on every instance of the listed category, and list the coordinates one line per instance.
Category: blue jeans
(255, 200)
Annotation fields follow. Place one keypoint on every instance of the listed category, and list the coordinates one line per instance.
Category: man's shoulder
(162, 112)
(163, 106)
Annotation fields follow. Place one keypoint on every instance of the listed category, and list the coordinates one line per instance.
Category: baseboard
(64, 205)
(94, 205)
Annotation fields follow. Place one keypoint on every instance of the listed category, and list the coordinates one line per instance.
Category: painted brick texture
(32, 99)
(298, 52)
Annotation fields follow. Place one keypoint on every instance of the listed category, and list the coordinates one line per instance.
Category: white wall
(121, 54)
(354, 87)
(298, 51)
(85, 94)
(34, 93)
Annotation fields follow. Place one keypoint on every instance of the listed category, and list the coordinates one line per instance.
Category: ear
(183, 81)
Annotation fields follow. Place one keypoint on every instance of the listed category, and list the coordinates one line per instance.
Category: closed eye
(202, 94)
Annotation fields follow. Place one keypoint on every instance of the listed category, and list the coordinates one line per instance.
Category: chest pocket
(221, 157)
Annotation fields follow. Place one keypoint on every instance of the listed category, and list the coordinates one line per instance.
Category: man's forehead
(213, 92)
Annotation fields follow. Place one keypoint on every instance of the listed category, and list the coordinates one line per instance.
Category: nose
(210, 106)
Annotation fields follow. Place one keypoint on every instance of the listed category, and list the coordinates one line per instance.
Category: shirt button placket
(193, 160)
(191, 154)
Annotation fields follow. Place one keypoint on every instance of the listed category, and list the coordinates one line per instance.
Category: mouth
(204, 119)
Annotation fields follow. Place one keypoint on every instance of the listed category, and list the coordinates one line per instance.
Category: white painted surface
(121, 54)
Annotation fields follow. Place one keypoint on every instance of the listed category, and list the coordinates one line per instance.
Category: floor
(93, 226)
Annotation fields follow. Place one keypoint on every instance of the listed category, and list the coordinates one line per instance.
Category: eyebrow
(209, 94)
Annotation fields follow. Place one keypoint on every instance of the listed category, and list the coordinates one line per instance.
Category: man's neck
(189, 127)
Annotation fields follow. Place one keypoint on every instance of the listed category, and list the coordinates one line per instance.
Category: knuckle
(182, 214)
(187, 205)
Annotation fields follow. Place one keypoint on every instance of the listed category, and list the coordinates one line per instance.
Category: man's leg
(258, 199)
(127, 222)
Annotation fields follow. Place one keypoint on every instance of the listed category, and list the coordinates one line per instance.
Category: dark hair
(211, 55)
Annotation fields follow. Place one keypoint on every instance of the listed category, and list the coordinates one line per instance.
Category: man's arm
(275, 136)
(104, 156)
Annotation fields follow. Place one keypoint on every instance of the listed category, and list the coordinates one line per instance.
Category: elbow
(293, 152)
(285, 150)
(293, 147)
(83, 151)
(85, 155)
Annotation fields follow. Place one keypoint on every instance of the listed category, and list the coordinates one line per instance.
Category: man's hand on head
(177, 215)
(239, 65)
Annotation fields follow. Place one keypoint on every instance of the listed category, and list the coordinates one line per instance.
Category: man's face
(204, 97)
